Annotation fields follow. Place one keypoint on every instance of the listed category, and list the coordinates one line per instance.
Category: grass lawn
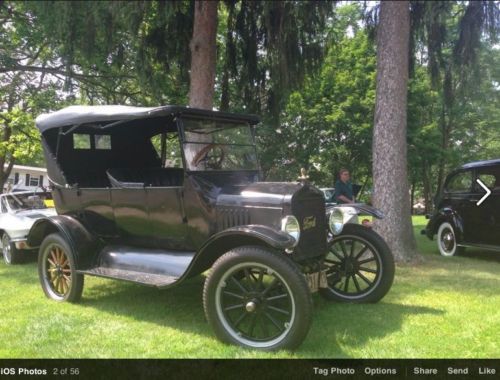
(443, 308)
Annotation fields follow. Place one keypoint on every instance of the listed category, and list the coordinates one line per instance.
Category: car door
(166, 196)
(488, 211)
(130, 207)
(462, 201)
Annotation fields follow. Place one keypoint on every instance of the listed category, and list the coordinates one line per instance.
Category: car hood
(265, 194)
(18, 224)
(36, 213)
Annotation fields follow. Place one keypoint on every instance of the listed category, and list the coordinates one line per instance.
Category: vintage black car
(465, 215)
(159, 195)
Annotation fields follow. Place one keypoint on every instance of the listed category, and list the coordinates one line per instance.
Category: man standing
(343, 188)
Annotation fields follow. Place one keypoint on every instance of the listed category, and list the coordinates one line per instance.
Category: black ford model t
(159, 195)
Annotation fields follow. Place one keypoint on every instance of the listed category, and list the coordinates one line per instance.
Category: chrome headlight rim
(291, 226)
(336, 221)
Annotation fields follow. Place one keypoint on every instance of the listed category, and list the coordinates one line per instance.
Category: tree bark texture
(390, 172)
(203, 55)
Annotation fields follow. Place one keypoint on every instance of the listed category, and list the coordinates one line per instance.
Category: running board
(152, 267)
(487, 247)
(158, 280)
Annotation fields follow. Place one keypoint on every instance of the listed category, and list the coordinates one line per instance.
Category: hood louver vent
(231, 217)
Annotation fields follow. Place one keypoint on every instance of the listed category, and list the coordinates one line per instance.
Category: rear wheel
(447, 241)
(11, 254)
(361, 266)
(57, 271)
(259, 299)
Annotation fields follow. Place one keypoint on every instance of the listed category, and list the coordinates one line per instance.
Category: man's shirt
(342, 188)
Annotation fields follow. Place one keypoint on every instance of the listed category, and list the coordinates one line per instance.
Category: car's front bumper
(21, 243)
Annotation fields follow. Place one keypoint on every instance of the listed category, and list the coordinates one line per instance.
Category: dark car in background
(465, 215)
(158, 195)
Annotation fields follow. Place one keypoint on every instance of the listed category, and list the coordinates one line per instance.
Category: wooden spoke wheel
(57, 272)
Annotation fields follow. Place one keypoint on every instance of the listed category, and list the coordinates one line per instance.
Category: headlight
(336, 221)
(291, 226)
(340, 216)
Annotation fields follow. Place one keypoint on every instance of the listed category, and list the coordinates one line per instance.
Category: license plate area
(316, 280)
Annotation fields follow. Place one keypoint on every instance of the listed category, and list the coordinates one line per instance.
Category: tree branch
(58, 70)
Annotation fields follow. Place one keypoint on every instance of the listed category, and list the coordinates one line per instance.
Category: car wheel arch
(73, 231)
(448, 215)
(225, 241)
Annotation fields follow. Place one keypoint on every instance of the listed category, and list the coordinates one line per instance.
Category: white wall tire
(9, 251)
(446, 240)
(258, 299)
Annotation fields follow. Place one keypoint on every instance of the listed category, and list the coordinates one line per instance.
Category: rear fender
(83, 243)
(446, 214)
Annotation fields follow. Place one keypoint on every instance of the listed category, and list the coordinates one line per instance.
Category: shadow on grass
(180, 307)
(354, 325)
(334, 325)
(481, 255)
(22, 273)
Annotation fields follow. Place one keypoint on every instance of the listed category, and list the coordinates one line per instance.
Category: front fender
(361, 209)
(234, 237)
(272, 237)
(446, 214)
(83, 243)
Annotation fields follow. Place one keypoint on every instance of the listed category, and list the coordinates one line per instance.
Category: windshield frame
(183, 141)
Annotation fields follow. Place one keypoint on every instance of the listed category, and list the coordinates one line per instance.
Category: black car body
(465, 215)
(158, 195)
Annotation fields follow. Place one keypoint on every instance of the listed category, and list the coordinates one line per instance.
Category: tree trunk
(5, 173)
(203, 55)
(390, 172)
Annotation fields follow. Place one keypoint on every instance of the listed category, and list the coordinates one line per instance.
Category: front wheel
(360, 266)
(57, 270)
(10, 253)
(259, 299)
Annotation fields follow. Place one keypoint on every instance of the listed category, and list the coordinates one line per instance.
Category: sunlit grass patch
(441, 308)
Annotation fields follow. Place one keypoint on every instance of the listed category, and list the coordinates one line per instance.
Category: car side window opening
(460, 182)
(102, 142)
(172, 153)
(81, 141)
(490, 177)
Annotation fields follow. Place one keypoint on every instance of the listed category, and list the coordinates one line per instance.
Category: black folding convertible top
(77, 115)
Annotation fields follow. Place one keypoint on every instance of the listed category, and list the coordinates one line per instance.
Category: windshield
(24, 202)
(329, 193)
(217, 145)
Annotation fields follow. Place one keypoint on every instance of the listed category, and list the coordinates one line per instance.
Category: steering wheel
(214, 160)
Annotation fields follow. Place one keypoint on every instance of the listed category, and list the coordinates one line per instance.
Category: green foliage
(327, 125)
(266, 49)
(24, 142)
(307, 67)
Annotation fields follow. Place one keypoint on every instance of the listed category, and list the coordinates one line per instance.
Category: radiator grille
(312, 238)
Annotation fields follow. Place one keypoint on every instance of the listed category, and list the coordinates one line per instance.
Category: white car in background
(18, 212)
